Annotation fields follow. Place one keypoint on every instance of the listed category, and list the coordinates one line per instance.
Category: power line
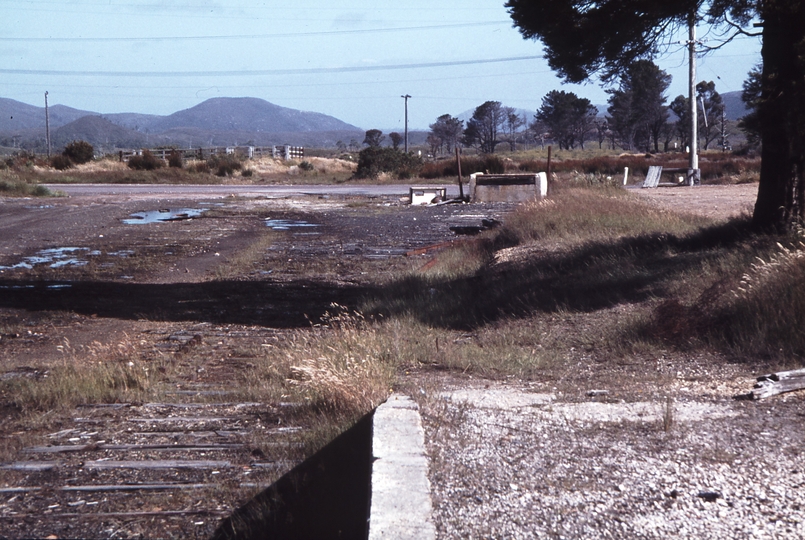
(362, 83)
(248, 73)
(252, 36)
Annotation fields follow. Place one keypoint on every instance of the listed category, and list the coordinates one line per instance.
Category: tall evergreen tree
(482, 129)
(447, 130)
(583, 37)
(750, 123)
(568, 117)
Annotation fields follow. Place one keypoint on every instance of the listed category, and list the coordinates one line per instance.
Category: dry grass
(262, 170)
(97, 373)
(762, 313)
(12, 186)
(340, 367)
(681, 281)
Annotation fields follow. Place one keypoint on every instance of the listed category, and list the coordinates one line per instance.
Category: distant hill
(15, 115)
(100, 133)
(135, 121)
(249, 114)
(734, 107)
(215, 122)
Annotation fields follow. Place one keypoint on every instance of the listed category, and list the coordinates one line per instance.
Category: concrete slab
(498, 398)
(401, 505)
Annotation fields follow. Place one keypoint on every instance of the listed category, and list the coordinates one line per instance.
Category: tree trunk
(781, 193)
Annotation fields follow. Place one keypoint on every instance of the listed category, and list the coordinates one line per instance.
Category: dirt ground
(714, 201)
(74, 274)
(77, 279)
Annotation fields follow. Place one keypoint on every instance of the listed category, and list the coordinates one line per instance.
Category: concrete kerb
(400, 504)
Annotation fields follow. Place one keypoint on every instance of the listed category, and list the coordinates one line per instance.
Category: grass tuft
(97, 373)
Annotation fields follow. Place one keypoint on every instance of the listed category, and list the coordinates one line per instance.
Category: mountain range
(215, 122)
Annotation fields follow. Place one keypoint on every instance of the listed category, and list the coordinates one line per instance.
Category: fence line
(285, 152)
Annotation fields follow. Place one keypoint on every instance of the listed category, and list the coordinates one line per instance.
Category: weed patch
(97, 373)
(11, 188)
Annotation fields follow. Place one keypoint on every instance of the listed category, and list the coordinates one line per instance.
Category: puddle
(157, 216)
(55, 257)
(288, 224)
(123, 253)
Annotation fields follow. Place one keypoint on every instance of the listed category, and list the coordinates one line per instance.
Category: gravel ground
(509, 461)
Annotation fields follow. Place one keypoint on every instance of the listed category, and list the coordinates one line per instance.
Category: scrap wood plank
(426, 249)
(36, 466)
(232, 404)
(652, 177)
(10, 490)
(192, 419)
(191, 433)
(137, 487)
(58, 449)
(158, 464)
(778, 383)
(161, 513)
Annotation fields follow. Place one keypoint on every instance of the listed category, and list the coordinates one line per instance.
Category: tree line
(637, 118)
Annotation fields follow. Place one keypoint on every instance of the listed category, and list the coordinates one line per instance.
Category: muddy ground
(78, 279)
(74, 274)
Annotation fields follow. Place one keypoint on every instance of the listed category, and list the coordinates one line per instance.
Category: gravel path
(509, 462)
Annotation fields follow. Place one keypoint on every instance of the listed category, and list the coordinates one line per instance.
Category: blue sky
(352, 60)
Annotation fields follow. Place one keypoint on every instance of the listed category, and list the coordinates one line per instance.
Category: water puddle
(54, 257)
(122, 253)
(162, 215)
(288, 224)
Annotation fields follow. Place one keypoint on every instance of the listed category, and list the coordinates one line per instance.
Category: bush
(469, 165)
(175, 160)
(60, 162)
(146, 162)
(375, 160)
(247, 172)
(306, 166)
(200, 167)
(224, 164)
(79, 152)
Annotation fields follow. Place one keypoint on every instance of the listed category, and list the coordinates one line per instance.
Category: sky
(351, 60)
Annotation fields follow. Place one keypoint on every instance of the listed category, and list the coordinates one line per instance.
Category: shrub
(146, 162)
(175, 160)
(469, 165)
(375, 160)
(306, 166)
(224, 164)
(200, 167)
(247, 172)
(79, 152)
(60, 162)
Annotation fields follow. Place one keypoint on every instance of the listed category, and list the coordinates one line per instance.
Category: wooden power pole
(405, 97)
(47, 124)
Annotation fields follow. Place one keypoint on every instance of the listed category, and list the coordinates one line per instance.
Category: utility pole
(47, 123)
(693, 166)
(405, 97)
